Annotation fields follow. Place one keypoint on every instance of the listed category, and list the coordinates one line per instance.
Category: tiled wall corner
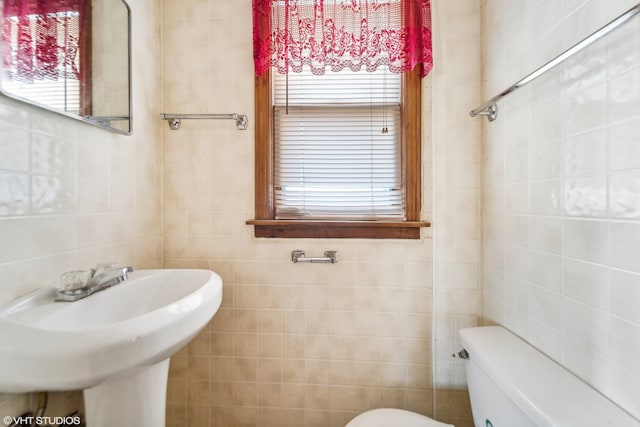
(456, 194)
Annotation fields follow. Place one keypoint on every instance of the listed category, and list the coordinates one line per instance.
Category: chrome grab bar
(330, 257)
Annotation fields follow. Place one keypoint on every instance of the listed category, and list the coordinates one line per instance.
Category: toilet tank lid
(548, 393)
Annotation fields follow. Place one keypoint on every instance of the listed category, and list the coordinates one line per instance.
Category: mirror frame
(81, 118)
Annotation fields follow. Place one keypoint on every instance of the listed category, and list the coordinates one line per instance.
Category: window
(324, 165)
(337, 146)
(308, 179)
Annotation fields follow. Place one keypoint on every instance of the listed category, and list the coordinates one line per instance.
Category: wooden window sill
(338, 229)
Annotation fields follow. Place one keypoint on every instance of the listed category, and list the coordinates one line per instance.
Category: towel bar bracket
(491, 112)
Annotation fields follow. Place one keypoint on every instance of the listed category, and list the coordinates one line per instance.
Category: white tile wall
(72, 195)
(561, 184)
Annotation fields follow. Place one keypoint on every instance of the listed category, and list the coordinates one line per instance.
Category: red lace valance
(338, 34)
(41, 38)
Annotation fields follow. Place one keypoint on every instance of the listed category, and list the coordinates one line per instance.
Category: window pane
(337, 150)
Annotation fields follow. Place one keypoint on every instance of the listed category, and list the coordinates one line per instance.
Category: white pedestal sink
(115, 344)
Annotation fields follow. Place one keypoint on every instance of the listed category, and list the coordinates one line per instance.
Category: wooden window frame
(265, 224)
(85, 49)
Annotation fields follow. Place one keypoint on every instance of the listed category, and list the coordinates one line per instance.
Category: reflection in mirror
(69, 56)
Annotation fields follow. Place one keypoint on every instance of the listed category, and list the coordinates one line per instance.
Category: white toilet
(388, 417)
(513, 384)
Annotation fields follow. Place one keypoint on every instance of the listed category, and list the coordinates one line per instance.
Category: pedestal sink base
(137, 399)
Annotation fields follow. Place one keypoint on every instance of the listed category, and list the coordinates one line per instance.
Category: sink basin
(108, 342)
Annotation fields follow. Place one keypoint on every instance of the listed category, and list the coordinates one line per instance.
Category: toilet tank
(513, 384)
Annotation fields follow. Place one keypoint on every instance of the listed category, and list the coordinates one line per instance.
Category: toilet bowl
(386, 417)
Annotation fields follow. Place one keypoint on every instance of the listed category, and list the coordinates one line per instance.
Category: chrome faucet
(80, 284)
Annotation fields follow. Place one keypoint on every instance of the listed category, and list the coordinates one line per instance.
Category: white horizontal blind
(332, 158)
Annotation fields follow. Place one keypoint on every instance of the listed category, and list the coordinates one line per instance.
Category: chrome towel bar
(490, 108)
(175, 120)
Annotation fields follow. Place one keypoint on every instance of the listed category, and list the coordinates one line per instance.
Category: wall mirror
(69, 56)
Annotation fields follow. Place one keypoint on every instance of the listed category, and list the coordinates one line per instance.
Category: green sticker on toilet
(488, 424)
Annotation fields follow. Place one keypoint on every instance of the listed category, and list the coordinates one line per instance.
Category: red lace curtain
(42, 38)
(338, 34)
